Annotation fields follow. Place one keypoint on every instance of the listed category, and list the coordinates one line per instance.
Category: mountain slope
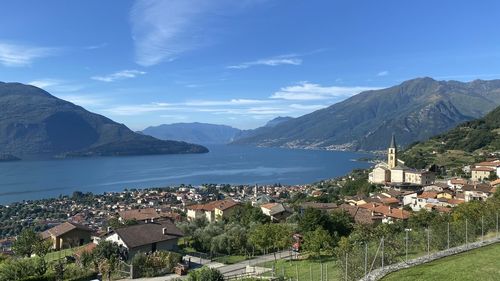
(414, 110)
(193, 132)
(35, 123)
(257, 131)
(462, 145)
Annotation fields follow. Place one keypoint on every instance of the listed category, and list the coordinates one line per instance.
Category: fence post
(428, 241)
(482, 228)
(382, 253)
(346, 256)
(497, 225)
(321, 268)
(326, 273)
(448, 240)
(297, 271)
(466, 235)
(366, 258)
(310, 273)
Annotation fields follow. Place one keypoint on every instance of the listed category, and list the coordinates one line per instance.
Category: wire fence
(362, 258)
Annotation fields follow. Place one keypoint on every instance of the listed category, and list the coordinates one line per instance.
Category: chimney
(164, 231)
(390, 209)
(109, 228)
(152, 220)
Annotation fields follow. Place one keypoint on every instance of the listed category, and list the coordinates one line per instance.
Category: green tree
(317, 241)
(206, 274)
(27, 243)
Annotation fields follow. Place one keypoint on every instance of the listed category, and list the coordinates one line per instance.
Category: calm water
(224, 164)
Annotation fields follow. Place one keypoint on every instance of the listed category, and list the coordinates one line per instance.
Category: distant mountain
(193, 132)
(460, 146)
(244, 134)
(414, 110)
(35, 123)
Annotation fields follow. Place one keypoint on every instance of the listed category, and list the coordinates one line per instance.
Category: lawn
(304, 268)
(52, 256)
(230, 259)
(480, 264)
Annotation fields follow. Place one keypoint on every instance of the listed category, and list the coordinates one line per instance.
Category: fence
(424, 244)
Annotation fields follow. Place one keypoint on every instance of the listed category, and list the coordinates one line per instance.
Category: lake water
(25, 180)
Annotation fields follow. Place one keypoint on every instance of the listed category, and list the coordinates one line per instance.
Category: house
(456, 183)
(146, 237)
(388, 213)
(362, 215)
(479, 192)
(495, 164)
(213, 211)
(150, 214)
(68, 235)
(482, 173)
(276, 211)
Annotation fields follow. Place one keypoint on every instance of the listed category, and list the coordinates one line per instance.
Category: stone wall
(379, 273)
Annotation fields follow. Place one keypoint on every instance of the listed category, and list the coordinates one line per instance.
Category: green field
(480, 264)
(304, 268)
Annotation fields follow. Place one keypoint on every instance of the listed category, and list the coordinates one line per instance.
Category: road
(227, 270)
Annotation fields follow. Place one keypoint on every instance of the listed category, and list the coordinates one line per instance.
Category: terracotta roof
(63, 228)
(456, 201)
(361, 215)
(220, 204)
(478, 187)
(458, 181)
(495, 182)
(144, 234)
(387, 211)
(489, 164)
(428, 195)
(146, 214)
(321, 206)
(389, 200)
(483, 169)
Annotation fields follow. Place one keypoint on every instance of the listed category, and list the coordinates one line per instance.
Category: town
(220, 225)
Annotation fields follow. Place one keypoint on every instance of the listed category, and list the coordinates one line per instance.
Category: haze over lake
(26, 180)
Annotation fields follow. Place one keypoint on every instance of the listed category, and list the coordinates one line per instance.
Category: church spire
(393, 142)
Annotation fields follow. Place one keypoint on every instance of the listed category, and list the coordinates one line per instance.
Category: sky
(239, 63)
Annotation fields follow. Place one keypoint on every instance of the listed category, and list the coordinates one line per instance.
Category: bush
(16, 269)
(206, 274)
(155, 264)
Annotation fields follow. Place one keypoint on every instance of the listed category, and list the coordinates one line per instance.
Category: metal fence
(366, 256)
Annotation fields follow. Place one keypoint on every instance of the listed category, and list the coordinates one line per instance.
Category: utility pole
(497, 225)
(466, 235)
(382, 252)
(406, 244)
(482, 228)
(297, 271)
(428, 242)
(366, 258)
(346, 257)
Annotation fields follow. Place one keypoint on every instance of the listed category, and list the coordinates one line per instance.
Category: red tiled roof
(220, 204)
(387, 211)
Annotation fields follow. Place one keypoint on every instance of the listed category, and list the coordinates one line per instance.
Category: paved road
(227, 270)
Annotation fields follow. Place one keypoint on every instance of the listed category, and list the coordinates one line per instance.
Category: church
(394, 171)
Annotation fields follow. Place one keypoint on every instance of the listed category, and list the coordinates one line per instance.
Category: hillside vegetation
(468, 142)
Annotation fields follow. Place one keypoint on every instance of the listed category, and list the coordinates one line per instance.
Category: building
(394, 170)
(478, 192)
(213, 211)
(276, 211)
(149, 214)
(482, 173)
(387, 214)
(68, 235)
(146, 237)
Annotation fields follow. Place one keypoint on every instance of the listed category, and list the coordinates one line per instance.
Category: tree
(206, 274)
(27, 243)
(317, 240)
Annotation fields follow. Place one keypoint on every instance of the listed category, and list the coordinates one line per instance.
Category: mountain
(462, 145)
(193, 132)
(254, 132)
(414, 110)
(35, 123)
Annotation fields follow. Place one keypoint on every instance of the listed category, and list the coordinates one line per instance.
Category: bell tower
(392, 154)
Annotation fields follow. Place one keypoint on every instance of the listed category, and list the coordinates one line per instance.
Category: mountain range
(204, 133)
(413, 110)
(34, 123)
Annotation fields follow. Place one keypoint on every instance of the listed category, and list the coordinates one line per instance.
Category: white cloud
(84, 100)
(310, 91)
(15, 55)
(95, 47)
(120, 75)
(56, 85)
(162, 30)
(225, 102)
(383, 73)
(275, 61)
(307, 106)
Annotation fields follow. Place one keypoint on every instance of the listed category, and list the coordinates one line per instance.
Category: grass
(304, 268)
(479, 264)
(53, 256)
(231, 259)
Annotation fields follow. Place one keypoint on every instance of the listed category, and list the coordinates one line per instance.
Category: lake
(25, 180)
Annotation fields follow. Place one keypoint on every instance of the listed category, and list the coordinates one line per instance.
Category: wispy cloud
(274, 61)
(56, 85)
(96, 46)
(383, 73)
(225, 102)
(162, 30)
(310, 91)
(120, 75)
(15, 55)
(84, 100)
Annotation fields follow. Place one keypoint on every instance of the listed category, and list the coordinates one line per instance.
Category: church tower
(392, 154)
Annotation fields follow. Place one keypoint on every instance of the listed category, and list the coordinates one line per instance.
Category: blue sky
(241, 62)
